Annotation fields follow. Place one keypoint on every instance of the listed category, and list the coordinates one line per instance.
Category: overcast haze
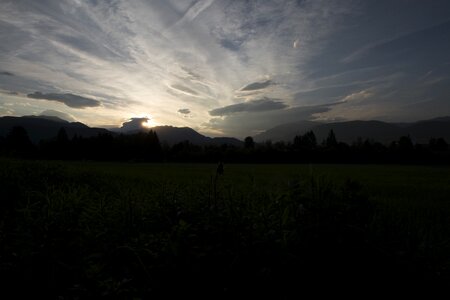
(225, 67)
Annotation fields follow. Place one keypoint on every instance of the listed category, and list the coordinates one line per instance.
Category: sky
(225, 67)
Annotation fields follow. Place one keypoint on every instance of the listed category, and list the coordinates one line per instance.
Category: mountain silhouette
(46, 127)
(350, 131)
(173, 135)
(285, 132)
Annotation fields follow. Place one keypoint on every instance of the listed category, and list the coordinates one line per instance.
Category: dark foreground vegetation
(146, 147)
(132, 231)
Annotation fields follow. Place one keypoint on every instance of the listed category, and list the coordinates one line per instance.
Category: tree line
(146, 146)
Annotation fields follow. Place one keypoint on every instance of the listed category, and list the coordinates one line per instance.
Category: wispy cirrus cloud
(157, 56)
(184, 89)
(134, 51)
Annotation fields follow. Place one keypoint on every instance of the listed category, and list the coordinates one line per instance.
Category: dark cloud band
(256, 86)
(265, 104)
(184, 111)
(70, 100)
(6, 73)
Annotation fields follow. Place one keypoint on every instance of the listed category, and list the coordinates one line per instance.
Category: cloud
(134, 124)
(250, 106)
(140, 50)
(6, 73)
(411, 45)
(183, 89)
(233, 45)
(250, 123)
(162, 55)
(68, 99)
(333, 93)
(184, 111)
(361, 95)
(194, 11)
(256, 86)
(59, 114)
(6, 111)
(6, 92)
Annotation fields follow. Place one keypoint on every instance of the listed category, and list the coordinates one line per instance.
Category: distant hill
(422, 131)
(172, 135)
(46, 127)
(440, 119)
(350, 131)
(43, 127)
(51, 118)
(285, 132)
(225, 140)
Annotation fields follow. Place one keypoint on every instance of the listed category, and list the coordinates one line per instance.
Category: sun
(149, 123)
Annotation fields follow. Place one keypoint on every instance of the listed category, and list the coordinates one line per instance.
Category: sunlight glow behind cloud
(120, 59)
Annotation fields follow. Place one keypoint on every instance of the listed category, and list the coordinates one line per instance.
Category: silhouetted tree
(297, 144)
(438, 144)
(62, 144)
(2, 145)
(331, 140)
(405, 144)
(309, 140)
(305, 142)
(249, 143)
(17, 142)
(152, 146)
(185, 151)
(145, 146)
(61, 137)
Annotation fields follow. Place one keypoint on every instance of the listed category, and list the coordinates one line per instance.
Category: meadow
(131, 230)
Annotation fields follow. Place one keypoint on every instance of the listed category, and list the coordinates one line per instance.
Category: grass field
(389, 181)
(85, 229)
